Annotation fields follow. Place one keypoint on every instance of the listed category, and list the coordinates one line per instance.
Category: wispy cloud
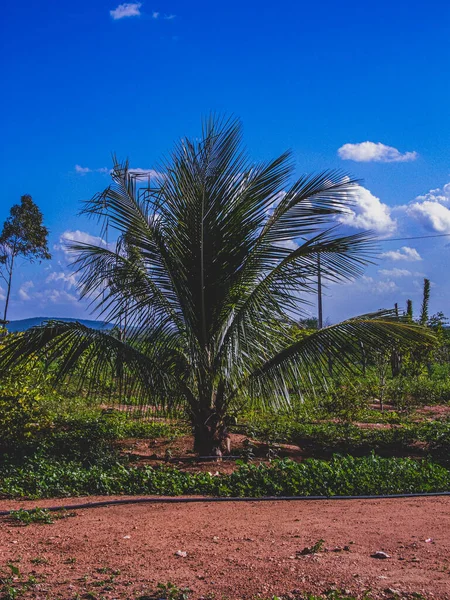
(24, 289)
(374, 286)
(128, 9)
(84, 170)
(55, 297)
(144, 173)
(169, 17)
(137, 172)
(405, 253)
(72, 237)
(399, 273)
(374, 152)
(68, 278)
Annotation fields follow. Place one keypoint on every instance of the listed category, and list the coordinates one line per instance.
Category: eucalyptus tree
(220, 261)
(23, 235)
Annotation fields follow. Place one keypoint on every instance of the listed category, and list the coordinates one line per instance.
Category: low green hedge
(339, 476)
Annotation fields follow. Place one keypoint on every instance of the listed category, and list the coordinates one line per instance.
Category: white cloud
(2, 293)
(374, 152)
(374, 286)
(69, 278)
(289, 244)
(405, 253)
(368, 212)
(155, 15)
(431, 215)
(128, 9)
(441, 195)
(55, 297)
(84, 170)
(70, 237)
(144, 173)
(399, 273)
(24, 289)
(169, 17)
(81, 236)
(432, 210)
(137, 172)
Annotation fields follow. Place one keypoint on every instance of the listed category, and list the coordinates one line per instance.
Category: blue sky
(84, 79)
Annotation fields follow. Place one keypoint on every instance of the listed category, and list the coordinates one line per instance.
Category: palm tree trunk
(208, 436)
(208, 424)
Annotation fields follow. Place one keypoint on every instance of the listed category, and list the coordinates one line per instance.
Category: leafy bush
(345, 401)
(40, 422)
(409, 392)
(23, 411)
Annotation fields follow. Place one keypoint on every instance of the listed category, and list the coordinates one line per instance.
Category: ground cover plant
(38, 515)
(348, 475)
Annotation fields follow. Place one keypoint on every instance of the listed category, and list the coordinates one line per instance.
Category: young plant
(314, 549)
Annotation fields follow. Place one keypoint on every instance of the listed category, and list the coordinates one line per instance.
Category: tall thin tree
(425, 302)
(23, 236)
(409, 311)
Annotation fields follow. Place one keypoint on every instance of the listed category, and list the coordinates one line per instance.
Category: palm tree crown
(207, 278)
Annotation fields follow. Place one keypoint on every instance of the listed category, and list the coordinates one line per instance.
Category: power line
(417, 237)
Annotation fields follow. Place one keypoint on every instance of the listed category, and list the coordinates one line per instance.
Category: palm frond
(152, 377)
(303, 367)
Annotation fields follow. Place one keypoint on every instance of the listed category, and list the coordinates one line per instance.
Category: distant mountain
(24, 324)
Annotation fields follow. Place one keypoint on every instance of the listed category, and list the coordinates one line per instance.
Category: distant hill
(24, 324)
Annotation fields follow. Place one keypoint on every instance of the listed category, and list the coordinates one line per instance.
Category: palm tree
(211, 283)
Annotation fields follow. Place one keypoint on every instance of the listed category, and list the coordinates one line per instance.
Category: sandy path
(236, 550)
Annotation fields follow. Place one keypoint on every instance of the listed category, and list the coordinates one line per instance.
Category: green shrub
(407, 393)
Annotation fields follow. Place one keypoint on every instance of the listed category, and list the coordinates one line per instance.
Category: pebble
(393, 592)
(380, 554)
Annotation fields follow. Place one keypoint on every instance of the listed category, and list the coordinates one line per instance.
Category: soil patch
(178, 452)
(235, 550)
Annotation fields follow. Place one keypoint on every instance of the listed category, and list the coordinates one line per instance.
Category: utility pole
(319, 294)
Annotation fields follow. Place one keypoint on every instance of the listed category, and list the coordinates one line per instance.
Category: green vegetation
(38, 515)
(55, 444)
(338, 476)
(345, 438)
(168, 591)
(13, 584)
(206, 301)
(205, 293)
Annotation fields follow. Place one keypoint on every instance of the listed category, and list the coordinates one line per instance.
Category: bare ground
(235, 550)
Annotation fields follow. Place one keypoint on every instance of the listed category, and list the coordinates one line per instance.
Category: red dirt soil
(235, 550)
